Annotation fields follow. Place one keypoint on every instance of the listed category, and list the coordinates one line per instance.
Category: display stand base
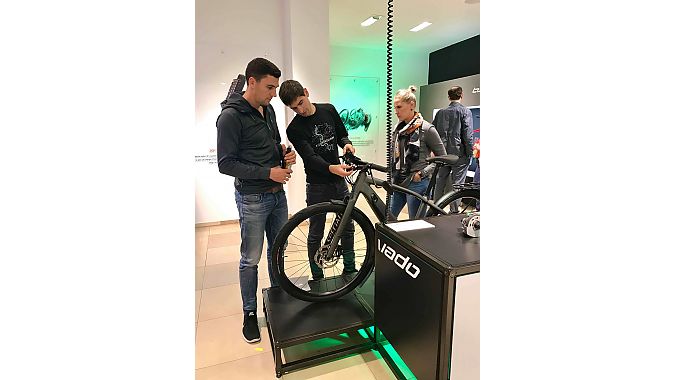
(292, 322)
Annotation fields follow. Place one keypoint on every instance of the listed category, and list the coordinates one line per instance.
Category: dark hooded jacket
(248, 144)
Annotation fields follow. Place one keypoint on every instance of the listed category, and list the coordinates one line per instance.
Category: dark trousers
(449, 176)
(324, 192)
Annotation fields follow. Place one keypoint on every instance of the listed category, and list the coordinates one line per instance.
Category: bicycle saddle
(448, 159)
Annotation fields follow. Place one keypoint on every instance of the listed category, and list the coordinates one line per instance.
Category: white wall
(308, 63)
(293, 34)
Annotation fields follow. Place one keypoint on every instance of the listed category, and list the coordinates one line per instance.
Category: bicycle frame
(363, 186)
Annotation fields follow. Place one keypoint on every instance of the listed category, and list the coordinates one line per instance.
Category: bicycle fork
(338, 227)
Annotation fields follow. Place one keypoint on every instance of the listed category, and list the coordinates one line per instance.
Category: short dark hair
(455, 93)
(260, 67)
(290, 90)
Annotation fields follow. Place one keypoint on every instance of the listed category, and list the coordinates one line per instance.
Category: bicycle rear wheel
(299, 253)
(458, 202)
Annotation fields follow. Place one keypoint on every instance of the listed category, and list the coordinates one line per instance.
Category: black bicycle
(340, 254)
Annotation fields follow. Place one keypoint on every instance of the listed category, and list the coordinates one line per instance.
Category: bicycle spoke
(303, 232)
(300, 250)
(294, 273)
(296, 265)
(294, 244)
(301, 276)
(297, 238)
(305, 260)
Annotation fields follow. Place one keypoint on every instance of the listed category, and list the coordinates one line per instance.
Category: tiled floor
(220, 350)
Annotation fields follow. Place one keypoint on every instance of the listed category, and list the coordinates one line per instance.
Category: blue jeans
(259, 214)
(477, 172)
(477, 179)
(399, 199)
(324, 192)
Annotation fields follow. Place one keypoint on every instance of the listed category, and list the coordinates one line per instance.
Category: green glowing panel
(392, 353)
(363, 333)
(357, 100)
(324, 345)
(399, 362)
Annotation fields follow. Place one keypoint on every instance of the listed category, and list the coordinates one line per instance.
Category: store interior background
(312, 41)
(100, 192)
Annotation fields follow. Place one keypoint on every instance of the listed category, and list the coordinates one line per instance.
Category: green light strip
(398, 361)
(325, 343)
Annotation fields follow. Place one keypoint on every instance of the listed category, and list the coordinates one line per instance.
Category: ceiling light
(422, 26)
(370, 20)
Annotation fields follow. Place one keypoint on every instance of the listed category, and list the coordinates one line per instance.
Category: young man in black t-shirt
(315, 131)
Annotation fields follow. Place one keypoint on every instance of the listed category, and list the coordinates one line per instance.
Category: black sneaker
(250, 330)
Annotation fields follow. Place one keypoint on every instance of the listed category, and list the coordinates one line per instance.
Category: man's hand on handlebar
(349, 158)
(342, 170)
(353, 160)
(349, 148)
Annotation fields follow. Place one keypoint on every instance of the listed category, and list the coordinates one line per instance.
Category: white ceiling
(452, 21)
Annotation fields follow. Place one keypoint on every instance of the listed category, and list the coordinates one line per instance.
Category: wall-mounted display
(358, 102)
(355, 118)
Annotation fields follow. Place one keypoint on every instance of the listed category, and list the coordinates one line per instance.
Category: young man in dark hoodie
(250, 149)
(314, 132)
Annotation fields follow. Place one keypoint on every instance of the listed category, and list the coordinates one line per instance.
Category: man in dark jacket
(454, 124)
(250, 149)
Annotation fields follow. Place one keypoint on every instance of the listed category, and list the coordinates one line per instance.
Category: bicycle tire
(468, 197)
(304, 290)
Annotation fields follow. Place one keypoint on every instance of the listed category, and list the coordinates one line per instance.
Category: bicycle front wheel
(302, 263)
(458, 202)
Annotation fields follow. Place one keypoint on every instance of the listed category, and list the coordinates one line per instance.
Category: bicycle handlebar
(359, 164)
(351, 159)
(379, 168)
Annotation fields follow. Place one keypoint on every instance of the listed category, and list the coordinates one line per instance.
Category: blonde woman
(413, 140)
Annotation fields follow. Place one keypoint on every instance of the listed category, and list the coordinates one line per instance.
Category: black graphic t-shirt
(315, 138)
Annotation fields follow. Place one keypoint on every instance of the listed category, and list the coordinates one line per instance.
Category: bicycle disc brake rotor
(324, 260)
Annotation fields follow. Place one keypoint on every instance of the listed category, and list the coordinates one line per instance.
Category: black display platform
(292, 322)
(417, 278)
